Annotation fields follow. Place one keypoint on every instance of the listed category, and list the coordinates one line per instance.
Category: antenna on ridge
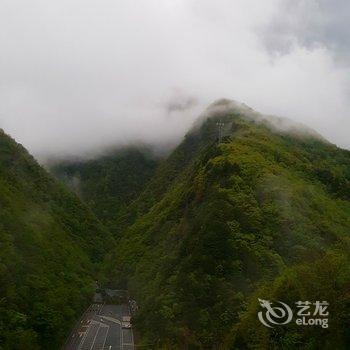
(220, 125)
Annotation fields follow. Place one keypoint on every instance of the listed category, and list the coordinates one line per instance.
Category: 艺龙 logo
(274, 315)
(308, 314)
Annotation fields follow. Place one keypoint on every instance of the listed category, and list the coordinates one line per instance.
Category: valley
(222, 219)
(197, 237)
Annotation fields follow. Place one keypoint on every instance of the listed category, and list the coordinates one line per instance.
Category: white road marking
(82, 341)
(132, 338)
(96, 323)
(111, 319)
(93, 342)
(85, 334)
(103, 346)
(99, 311)
(121, 337)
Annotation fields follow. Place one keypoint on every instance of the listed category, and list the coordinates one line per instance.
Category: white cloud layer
(80, 75)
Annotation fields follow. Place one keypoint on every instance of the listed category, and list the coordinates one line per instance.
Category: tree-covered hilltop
(109, 182)
(265, 213)
(50, 246)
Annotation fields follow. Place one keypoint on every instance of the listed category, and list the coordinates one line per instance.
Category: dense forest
(108, 183)
(263, 214)
(51, 245)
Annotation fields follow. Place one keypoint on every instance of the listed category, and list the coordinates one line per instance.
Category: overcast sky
(77, 75)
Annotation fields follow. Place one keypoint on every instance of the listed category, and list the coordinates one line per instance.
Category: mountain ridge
(51, 247)
(219, 219)
(223, 221)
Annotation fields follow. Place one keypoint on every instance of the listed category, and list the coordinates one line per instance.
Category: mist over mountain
(78, 76)
(262, 214)
(186, 162)
(109, 182)
(197, 236)
(224, 106)
(214, 226)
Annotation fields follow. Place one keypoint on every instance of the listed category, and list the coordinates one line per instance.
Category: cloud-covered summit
(80, 75)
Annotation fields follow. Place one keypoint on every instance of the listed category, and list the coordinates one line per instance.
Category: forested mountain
(50, 247)
(263, 214)
(263, 211)
(108, 183)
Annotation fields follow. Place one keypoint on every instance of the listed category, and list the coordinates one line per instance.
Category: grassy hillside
(263, 214)
(50, 246)
(110, 182)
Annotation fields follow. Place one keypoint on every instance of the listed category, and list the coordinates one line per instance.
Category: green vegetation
(108, 183)
(50, 247)
(263, 214)
(201, 236)
(326, 278)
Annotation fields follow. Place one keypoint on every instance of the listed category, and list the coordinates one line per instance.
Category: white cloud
(77, 75)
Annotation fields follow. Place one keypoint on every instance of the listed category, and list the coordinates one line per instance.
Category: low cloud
(311, 24)
(77, 76)
(181, 104)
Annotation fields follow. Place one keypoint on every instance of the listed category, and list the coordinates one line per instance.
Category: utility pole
(220, 126)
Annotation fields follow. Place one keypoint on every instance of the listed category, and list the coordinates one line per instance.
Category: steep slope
(109, 183)
(50, 246)
(218, 221)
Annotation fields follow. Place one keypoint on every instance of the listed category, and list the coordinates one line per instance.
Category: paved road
(100, 329)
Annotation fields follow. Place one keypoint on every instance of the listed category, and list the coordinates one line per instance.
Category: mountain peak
(225, 107)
